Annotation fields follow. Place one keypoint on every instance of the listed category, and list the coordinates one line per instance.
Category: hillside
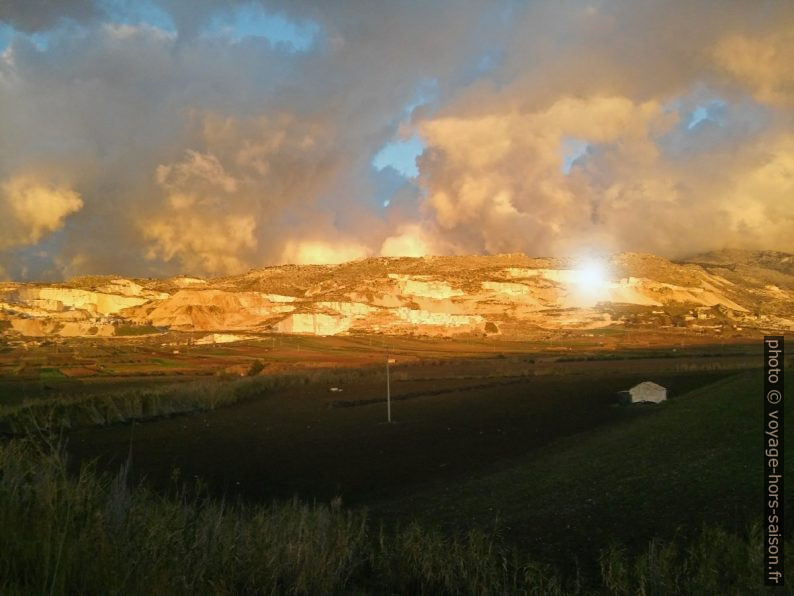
(511, 295)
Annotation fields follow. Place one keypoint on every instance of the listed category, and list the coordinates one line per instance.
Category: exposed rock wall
(98, 302)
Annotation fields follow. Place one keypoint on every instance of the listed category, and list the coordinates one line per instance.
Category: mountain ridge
(508, 294)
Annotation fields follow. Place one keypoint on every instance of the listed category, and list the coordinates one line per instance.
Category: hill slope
(507, 294)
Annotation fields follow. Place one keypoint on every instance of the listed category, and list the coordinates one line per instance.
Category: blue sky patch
(572, 151)
(426, 93)
(138, 12)
(6, 34)
(708, 123)
(711, 111)
(252, 20)
(400, 155)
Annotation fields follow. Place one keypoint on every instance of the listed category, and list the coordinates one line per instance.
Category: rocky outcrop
(313, 324)
(210, 309)
(424, 286)
(102, 303)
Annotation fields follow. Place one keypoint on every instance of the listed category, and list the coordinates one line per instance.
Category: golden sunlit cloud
(196, 168)
(316, 252)
(201, 245)
(761, 63)
(410, 241)
(30, 209)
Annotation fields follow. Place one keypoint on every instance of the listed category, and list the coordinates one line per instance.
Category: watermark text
(773, 460)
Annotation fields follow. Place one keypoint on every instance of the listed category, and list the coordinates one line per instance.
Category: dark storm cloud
(39, 15)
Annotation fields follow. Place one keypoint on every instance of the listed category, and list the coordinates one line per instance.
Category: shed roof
(649, 385)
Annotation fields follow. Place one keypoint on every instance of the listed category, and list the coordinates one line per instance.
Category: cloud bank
(163, 137)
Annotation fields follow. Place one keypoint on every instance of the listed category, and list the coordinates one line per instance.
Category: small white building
(644, 392)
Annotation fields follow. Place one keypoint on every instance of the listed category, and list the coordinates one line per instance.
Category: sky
(207, 137)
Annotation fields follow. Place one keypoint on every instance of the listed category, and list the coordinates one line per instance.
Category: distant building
(644, 392)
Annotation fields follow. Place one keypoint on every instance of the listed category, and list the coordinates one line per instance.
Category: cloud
(214, 153)
(195, 225)
(495, 183)
(615, 79)
(29, 16)
(318, 252)
(196, 169)
(204, 246)
(218, 207)
(29, 210)
(761, 63)
(410, 241)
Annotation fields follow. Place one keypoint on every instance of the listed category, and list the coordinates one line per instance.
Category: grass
(96, 534)
(167, 362)
(67, 412)
(695, 459)
(51, 374)
(70, 412)
(92, 534)
(685, 473)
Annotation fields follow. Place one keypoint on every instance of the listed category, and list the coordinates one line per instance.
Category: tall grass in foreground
(94, 534)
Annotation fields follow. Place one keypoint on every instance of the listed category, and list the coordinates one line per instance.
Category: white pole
(388, 391)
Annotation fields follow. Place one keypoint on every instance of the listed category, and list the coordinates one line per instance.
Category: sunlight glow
(591, 277)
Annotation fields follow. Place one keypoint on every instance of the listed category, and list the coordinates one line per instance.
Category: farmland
(296, 442)
(78, 366)
(517, 438)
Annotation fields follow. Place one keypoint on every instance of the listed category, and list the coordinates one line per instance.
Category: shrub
(257, 366)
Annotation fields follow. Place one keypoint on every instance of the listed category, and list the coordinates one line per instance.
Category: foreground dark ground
(94, 534)
(528, 445)
(471, 446)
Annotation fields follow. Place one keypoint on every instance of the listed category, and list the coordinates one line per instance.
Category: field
(299, 442)
(521, 441)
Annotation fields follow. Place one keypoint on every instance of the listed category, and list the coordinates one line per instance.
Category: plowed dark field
(317, 444)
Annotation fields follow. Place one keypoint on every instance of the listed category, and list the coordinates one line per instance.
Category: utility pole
(388, 388)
